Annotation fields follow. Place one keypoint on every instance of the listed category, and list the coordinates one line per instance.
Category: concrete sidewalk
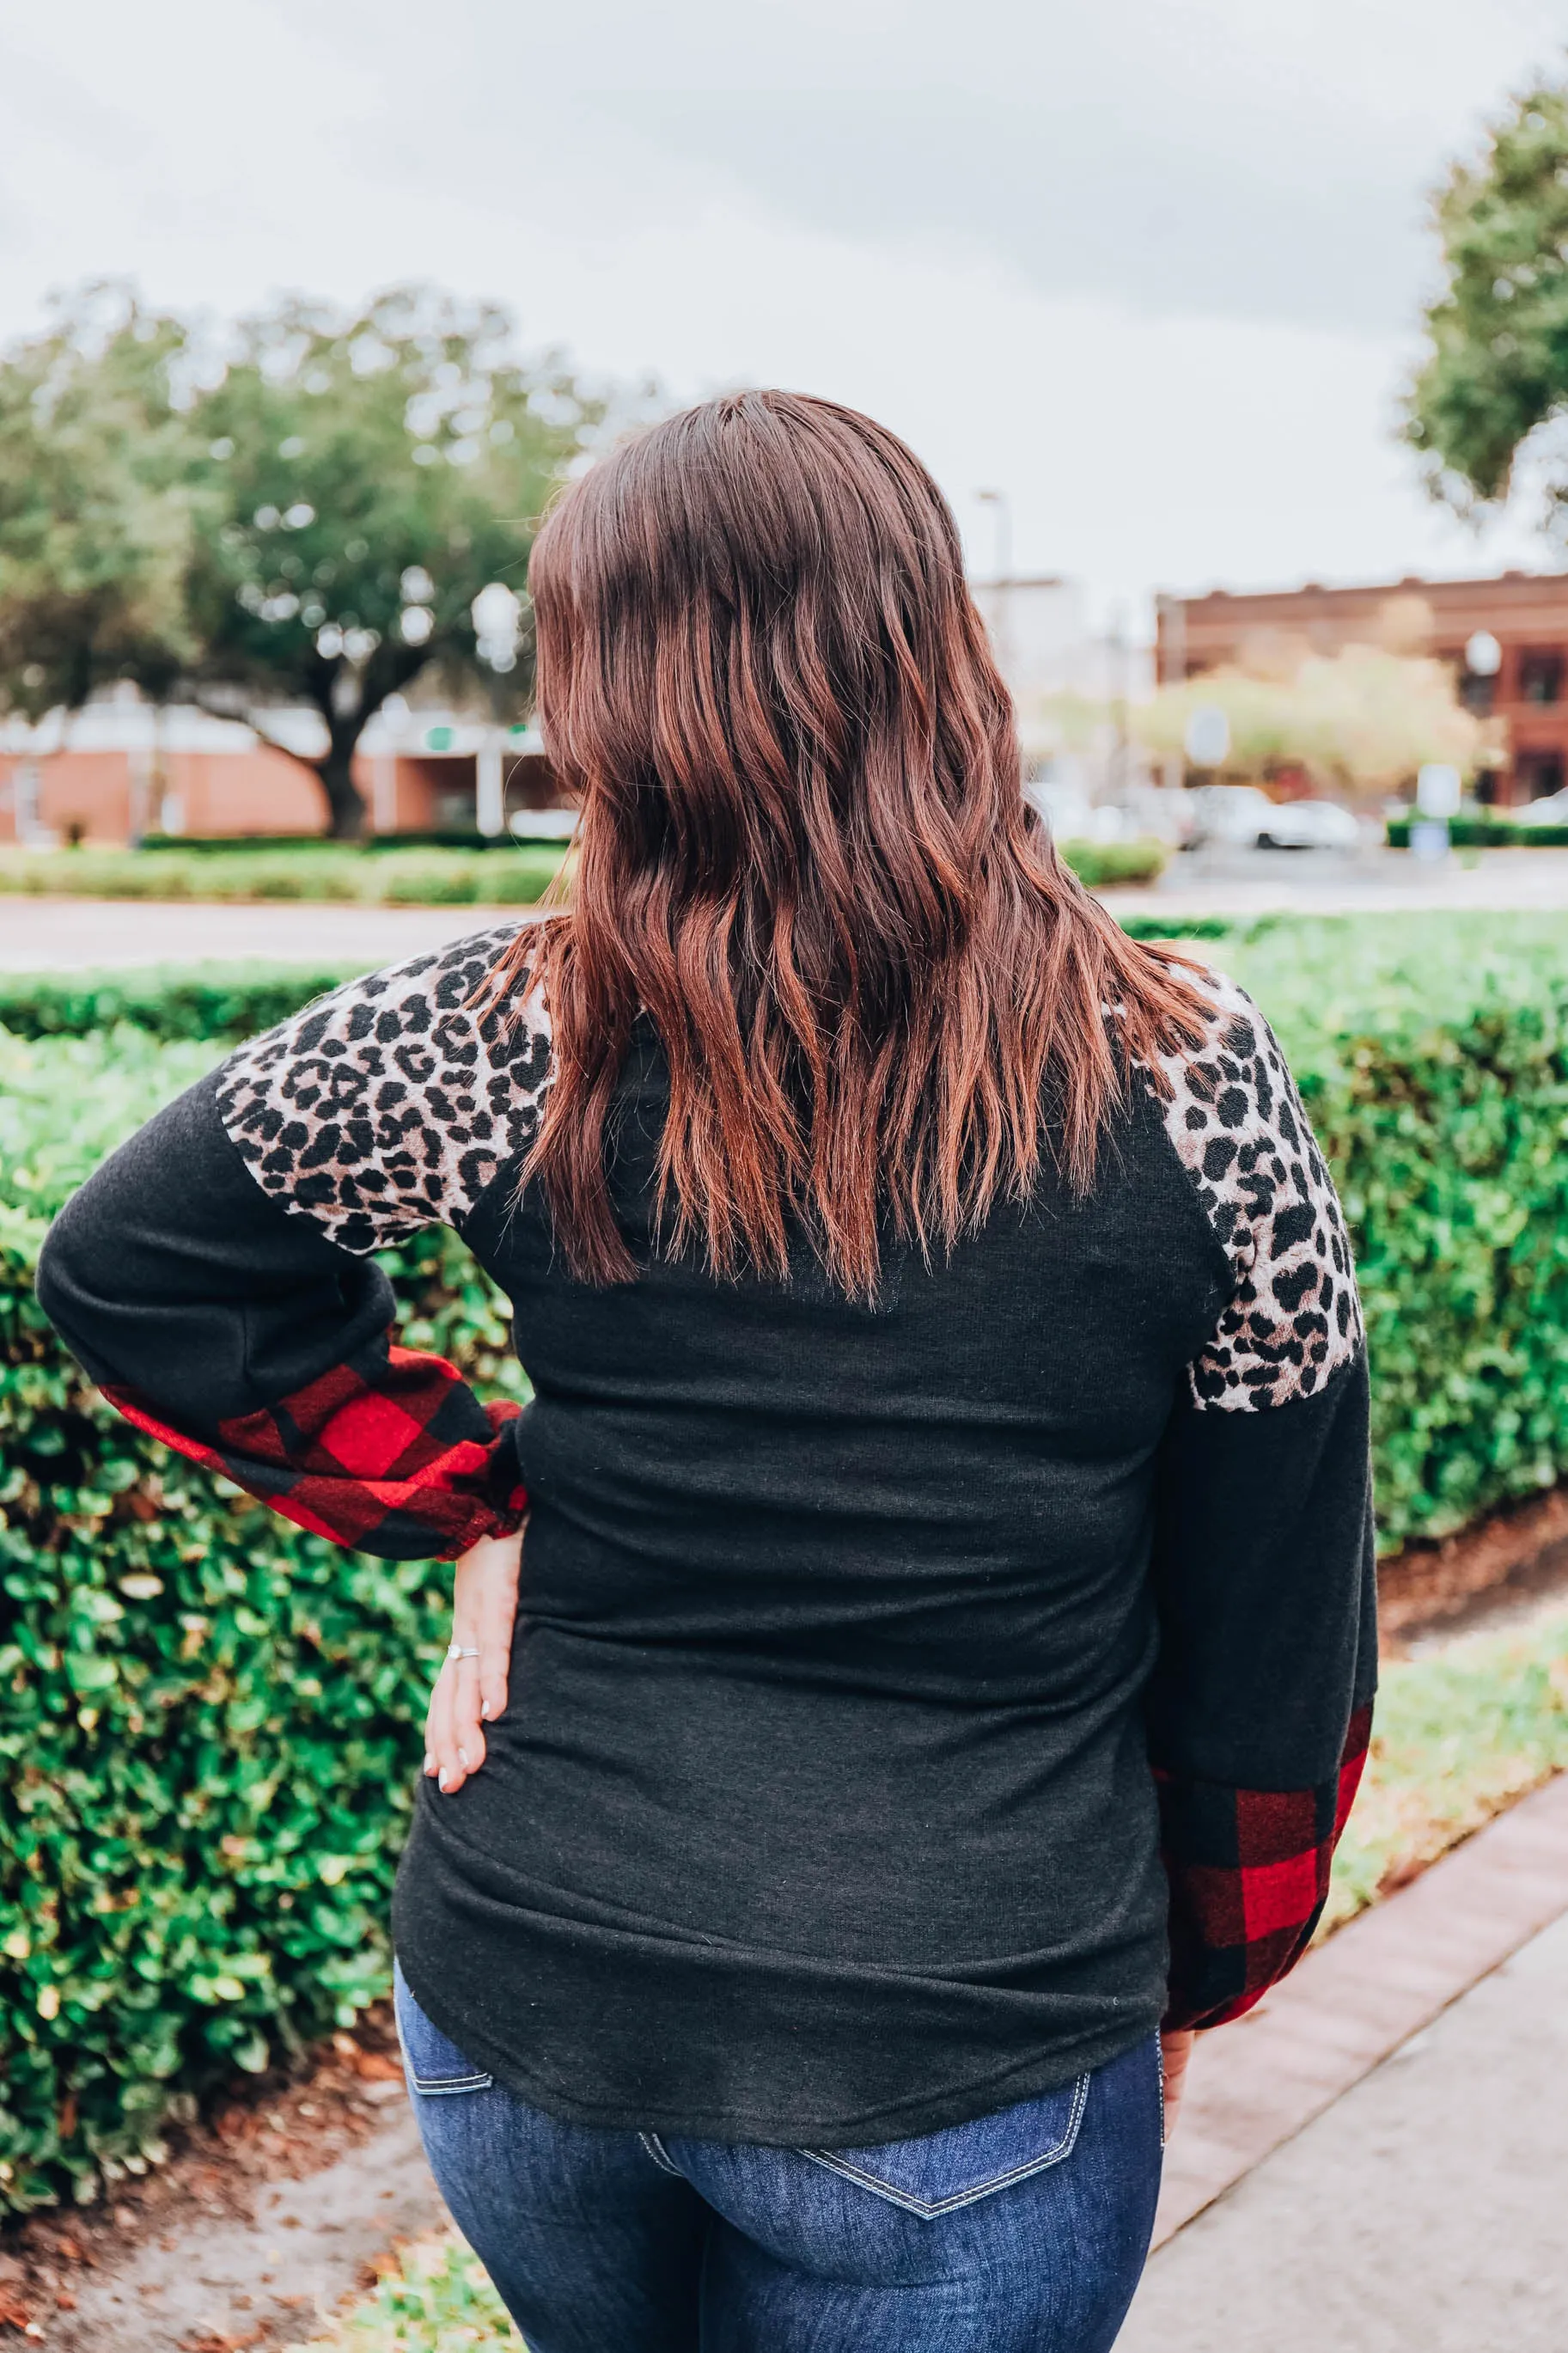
(1364, 1996)
(1426, 2212)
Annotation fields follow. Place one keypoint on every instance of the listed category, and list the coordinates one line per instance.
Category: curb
(1355, 2000)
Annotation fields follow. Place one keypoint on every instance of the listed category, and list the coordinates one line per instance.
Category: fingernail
(484, 1711)
(463, 1759)
(429, 1762)
(443, 1780)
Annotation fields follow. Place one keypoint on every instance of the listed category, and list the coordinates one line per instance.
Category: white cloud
(1156, 271)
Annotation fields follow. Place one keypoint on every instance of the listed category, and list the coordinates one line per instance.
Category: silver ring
(457, 1651)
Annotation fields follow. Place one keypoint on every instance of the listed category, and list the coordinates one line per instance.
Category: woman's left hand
(470, 1690)
(1177, 2050)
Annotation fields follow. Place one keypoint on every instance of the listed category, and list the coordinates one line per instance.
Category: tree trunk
(345, 807)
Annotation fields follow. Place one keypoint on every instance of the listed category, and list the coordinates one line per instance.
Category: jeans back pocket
(944, 2171)
(432, 2061)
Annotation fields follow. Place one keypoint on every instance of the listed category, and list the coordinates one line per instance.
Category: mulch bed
(276, 2128)
(1513, 1556)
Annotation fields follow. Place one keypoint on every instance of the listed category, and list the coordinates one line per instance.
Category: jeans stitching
(436, 2087)
(433, 2088)
(929, 2209)
(659, 2154)
(1160, 2049)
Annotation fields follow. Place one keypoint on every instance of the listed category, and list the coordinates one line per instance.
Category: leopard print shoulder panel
(390, 1105)
(1235, 1120)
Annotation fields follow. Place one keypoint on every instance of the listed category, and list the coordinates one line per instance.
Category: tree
(306, 516)
(364, 480)
(97, 511)
(1496, 369)
(1360, 722)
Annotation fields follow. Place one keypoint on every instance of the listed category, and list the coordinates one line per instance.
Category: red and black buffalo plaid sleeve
(1249, 1872)
(1260, 1708)
(240, 1336)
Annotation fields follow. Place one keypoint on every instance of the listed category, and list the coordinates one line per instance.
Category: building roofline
(1020, 580)
(1412, 584)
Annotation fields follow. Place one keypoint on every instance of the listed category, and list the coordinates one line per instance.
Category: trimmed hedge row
(228, 1002)
(1432, 1051)
(512, 877)
(390, 874)
(211, 1721)
(1485, 833)
(411, 837)
(1103, 864)
(220, 1002)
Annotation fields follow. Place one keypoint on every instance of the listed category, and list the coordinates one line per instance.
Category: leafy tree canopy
(1360, 722)
(305, 515)
(97, 507)
(1497, 362)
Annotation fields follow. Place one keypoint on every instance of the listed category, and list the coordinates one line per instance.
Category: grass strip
(1460, 1734)
(435, 2298)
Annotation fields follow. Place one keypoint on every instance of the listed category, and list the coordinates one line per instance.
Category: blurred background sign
(1437, 790)
(1207, 740)
(1436, 800)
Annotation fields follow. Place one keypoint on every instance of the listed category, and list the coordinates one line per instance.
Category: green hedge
(212, 1722)
(438, 838)
(385, 874)
(1099, 864)
(1432, 1054)
(223, 1002)
(228, 1002)
(512, 877)
(1485, 833)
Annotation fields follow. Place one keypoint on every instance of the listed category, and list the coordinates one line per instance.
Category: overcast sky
(1152, 266)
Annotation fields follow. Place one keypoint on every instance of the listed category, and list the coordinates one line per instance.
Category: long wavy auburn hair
(805, 853)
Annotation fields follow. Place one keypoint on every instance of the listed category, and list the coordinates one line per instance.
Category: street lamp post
(1002, 518)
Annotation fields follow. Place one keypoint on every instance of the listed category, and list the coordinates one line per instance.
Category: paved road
(1256, 883)
(1426, 2212)
(74, 935)
(77, 935)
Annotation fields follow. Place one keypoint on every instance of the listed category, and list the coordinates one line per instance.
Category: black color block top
(909, 1706)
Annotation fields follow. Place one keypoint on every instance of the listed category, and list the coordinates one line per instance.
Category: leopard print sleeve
(1236, 1121)
(1263, 1568)
(391, 1103)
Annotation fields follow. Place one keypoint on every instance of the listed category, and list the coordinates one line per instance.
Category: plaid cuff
(393, 1454)
(1248, 1872)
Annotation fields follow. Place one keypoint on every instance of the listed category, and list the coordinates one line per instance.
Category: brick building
(117, 770)
(1525, 613)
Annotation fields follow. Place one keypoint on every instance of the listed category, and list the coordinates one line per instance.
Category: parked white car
(1244, 817)
(1066, 808)
(1552, 809)
(1140, 811)
(1235, 814)
(1310, 825)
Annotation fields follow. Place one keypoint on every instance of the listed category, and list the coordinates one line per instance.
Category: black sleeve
(1261, 1707)
(240, 1335)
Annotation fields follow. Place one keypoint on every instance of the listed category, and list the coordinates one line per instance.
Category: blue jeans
(1024, 2231)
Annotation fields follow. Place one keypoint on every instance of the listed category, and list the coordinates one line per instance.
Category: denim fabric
(1024, 2231)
